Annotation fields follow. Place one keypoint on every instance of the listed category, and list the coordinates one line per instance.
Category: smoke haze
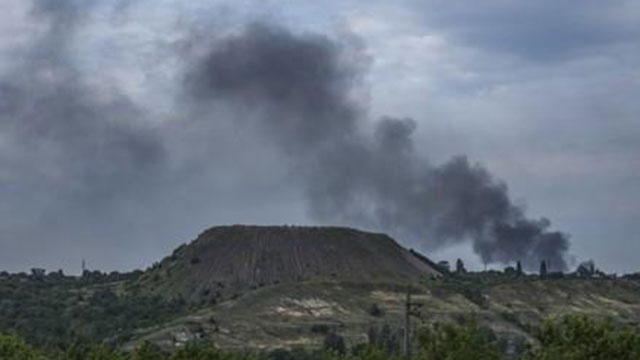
(297, 89)
(259, 122)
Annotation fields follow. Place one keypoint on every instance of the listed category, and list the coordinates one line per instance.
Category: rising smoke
(298, 89)
(90, 142)
(76, 153)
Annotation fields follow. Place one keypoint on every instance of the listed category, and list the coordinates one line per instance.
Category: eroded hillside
(284, 287)
(227, 261)
(300, 314)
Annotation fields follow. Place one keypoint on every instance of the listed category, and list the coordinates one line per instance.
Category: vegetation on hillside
(99, 313)
(570, 338)
(53, 310)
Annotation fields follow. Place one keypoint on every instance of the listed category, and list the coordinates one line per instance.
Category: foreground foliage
(452, 342)
(571, 338)
(578, 338)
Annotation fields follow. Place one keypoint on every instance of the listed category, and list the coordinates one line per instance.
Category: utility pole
(410, 308)
(407, 324)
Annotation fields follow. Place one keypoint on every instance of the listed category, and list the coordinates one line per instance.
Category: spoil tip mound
(227, 259)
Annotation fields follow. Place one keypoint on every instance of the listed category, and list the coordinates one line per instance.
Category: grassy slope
(285, 315)
(294, 314)
(329, 279)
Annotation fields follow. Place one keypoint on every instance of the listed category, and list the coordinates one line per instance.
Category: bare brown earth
(225, 261)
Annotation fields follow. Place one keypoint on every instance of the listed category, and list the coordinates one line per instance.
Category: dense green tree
(370, 352)
(543, 269)
(569, 338)
(335, 343)
(14, 348)
(205, 352)
(86, 351)
(460, 269)
(375, 310)
(467, 341)
(58, 309)
(385, 339)
(586, 269)
(510, 271)
(147, 351)
(578, 338)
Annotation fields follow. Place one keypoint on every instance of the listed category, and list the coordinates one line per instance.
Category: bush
(569, 338)
(320, 328)
(375, 311)
(14, 348)
(475, 296)
(334, 343)
(467, 341)
(576, 338)
(386, 339)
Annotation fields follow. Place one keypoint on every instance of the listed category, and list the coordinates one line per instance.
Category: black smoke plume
(301, 91)
(82, 166)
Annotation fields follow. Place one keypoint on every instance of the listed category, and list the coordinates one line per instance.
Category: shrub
(14, 348)
(475, 296)
(320, 328)
(334, 343)
(576, 338)
(467, 341)
(375, 310)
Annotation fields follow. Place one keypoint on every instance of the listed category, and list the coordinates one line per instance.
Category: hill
(252, 287)
(228, 260)
(269, 287)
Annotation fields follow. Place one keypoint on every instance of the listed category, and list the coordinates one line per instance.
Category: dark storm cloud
(544, 30)
(299, 90)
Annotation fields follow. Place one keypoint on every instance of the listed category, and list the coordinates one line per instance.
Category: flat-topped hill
(229, 258)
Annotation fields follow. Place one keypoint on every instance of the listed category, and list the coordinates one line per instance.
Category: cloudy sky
(124, 131)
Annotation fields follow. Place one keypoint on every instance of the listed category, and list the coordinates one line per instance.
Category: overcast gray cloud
(297, 92)
(92, 113)
(538, 31)
(561, 127)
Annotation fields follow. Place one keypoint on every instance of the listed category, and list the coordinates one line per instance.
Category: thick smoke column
(300, 90)
(81, 167)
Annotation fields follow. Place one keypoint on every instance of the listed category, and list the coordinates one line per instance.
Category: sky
(128, 127)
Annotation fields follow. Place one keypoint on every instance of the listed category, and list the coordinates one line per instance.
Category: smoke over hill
(76, 151)
(298, 90)
(225, 260)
